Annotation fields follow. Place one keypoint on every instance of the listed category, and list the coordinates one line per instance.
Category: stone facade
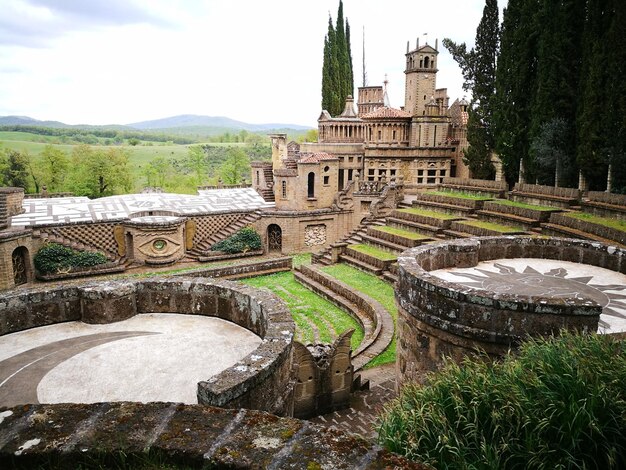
(439, 318)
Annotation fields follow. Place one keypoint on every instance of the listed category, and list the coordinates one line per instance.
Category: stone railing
(497, 188)
(243, 270)
(262, 380)
(439, 318)
(172, 435)
(605, 204)
(539, 194)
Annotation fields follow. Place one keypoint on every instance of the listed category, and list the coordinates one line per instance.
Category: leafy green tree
(14, 168)
(157, 172)
(235, 167)
(100, 172)
(196, 162)
(55, 165)
(478, 66)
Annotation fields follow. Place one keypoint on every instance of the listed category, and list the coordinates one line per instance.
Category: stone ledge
(70, 435)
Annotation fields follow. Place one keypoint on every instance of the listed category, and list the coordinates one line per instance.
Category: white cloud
(118, 62)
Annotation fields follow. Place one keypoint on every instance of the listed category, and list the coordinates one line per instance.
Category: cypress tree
(479, 71)
(337, 75)
(515, 86)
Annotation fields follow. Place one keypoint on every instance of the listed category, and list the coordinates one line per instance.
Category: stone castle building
(419, 144)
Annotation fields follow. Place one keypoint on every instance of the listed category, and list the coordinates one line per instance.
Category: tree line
(548, 93)
(103, 171)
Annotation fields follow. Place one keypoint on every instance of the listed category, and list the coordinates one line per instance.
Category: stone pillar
(522, 173)
(336, 249)
(609, 177)
(583, 185)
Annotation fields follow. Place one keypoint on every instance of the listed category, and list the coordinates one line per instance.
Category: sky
(257, 61)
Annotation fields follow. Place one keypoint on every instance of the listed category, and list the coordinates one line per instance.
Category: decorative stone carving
(118, 233)
(315, 235)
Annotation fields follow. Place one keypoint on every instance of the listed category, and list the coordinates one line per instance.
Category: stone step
(562, 231)
(503, 217)
(389, 277)
(360, 264)
(384, 244)
(457, 234)
(420, 228)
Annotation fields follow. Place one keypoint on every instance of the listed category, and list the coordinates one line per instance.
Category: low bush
(559, 403)
(244, 240)
(53, 258)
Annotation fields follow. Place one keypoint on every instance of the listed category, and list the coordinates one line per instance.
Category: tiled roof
(317, 157)
(385, 112)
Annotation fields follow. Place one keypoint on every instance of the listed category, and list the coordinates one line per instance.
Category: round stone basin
(149, 357)
(552, 279)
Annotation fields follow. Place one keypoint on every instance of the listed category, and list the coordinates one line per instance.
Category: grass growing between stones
(460, 195)
(617, 224)
(523, 205)
(491, 226)
(559, 403)
(428, 213)
(377, 289)
(401, 232)
(316, 318)
(374, 252)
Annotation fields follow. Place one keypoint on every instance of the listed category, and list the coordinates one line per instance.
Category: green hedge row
(244, 240)
(54, 258)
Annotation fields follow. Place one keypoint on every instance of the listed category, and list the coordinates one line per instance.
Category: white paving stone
(82, 209)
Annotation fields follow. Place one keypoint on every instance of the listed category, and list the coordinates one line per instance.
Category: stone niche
(153, 239)
(441, 318)
(262, 380)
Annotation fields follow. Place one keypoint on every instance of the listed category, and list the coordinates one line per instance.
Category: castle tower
(421, 78)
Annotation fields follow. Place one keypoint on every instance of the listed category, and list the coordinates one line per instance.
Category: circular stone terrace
(189, 340)
(492, 292)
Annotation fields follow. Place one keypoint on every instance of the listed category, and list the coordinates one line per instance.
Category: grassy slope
(428, 213)
(374, 252)
(375, 288)
(492, 226)
(459, 194)
(508, 202)
(612, 223)
(309, 309)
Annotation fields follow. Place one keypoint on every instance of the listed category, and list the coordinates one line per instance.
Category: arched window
(311, 185)
(426, 59)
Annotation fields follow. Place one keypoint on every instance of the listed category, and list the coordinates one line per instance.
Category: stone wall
(136, 435)
(10, 241)
(602, 231)
(261, 380)
(526, 212)
(439, 318)
(243, 270)
(605, 204)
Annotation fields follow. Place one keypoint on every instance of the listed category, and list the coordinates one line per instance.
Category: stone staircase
(202, 250)
(268, 192)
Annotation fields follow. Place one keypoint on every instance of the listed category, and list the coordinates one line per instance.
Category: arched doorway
(274, 238)
(20, 265)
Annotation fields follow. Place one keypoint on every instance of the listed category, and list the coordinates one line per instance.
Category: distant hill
(209, 125)
(193, 120)
(28, 121)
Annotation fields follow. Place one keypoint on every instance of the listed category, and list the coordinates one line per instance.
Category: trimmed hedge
(244, 240)
(559, 403)
(54, 258)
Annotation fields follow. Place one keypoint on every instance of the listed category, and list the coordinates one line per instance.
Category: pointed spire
(385, 95)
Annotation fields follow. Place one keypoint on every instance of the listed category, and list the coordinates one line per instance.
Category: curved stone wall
(440, 318)
(262, 380)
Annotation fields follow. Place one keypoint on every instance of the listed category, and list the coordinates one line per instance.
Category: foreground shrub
(53, 258)
(559, 403)
(244, 240)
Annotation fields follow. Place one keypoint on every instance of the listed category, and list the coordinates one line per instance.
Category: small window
(371, 172)
(284, 189)
(326, 168)
(326, 180)
(432, 172)
(311, 185)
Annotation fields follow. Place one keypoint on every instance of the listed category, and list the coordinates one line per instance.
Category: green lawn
(618, 224)
(311, 313)
(428, 213)
(377, 289)
(460, 195)
(374, 252)
(401, 232)
(508, 202)
(492, 226)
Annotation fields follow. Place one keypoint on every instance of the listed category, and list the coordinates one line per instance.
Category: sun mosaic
(549, 278)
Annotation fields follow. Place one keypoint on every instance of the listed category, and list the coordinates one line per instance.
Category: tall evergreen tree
(337, 75)
(515, 86)
(479, 71)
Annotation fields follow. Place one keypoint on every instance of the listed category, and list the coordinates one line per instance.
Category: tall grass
(560, 403)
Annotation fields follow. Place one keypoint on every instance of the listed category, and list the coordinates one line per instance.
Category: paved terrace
(82, 209)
